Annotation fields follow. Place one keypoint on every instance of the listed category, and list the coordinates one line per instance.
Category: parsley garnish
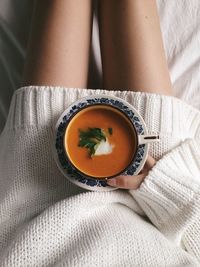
(91, 137)
(110, 130)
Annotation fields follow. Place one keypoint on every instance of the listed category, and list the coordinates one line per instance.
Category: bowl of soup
(98, 138)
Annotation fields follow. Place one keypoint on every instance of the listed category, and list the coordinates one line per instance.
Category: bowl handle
(149, 138)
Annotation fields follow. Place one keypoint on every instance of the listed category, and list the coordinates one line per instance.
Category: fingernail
(112, 181)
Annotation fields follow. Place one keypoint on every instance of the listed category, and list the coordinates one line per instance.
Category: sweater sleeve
(170, 196)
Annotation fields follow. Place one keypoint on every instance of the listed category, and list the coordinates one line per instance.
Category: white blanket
(181, 34)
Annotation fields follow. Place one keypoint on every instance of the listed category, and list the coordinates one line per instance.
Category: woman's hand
(133, 181)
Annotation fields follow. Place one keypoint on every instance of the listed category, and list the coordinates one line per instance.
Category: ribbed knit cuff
(42, 105)
(191, 237)
(170, 194)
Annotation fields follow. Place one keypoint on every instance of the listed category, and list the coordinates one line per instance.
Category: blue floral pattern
(63, 160)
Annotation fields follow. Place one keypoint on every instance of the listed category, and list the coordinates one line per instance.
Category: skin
(59, 45)
(133, 181)
(131, 47)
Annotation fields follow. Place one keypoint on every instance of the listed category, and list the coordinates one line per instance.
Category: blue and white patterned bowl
(68, 170)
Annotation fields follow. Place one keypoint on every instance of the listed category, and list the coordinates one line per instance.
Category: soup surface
(118, 135)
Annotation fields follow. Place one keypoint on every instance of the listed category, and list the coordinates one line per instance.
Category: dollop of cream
(103, 148)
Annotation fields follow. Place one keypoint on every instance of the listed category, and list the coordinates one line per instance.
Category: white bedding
(181, 34)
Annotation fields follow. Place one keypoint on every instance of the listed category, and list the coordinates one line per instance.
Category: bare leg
(59, 46)
(132, 49)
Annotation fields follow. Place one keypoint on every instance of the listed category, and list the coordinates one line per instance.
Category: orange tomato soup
(123, 139)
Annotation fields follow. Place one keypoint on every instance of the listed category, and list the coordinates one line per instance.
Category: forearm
(59, 43)
(170, 196)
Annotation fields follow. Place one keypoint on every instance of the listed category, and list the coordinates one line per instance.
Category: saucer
(64, 165)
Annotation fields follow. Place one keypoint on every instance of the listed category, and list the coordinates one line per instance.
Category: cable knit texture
(47, 221)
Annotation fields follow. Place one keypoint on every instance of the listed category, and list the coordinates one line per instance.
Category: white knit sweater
(47, 221)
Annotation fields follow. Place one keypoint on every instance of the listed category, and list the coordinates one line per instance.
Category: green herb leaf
(90, 138)
(110, 130)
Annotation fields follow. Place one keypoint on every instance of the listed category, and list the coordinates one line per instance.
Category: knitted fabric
(47, 221)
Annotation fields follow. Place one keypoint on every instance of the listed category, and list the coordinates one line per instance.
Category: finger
(150, 162)
(127, 181)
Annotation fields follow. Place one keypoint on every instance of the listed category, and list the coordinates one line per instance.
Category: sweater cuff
(170, 194)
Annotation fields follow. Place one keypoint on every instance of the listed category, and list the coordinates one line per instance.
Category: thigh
(132, 49)
(59, 44)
